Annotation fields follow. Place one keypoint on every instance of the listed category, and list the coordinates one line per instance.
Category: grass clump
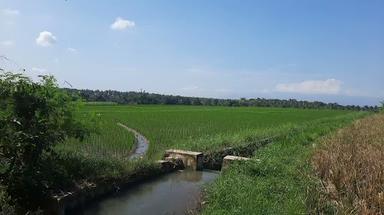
(350, 166)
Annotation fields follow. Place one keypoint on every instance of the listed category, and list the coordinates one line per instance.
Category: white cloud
(7, 43)
(72, 50)
(122, 24)
(329, 86)
(45, 39)
(38, 70)
(10, 12)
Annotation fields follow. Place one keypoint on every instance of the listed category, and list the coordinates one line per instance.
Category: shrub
(34, 116)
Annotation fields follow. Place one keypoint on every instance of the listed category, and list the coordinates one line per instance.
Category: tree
(34, 116)
(153, 98)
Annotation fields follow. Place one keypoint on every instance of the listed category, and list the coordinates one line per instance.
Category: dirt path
(142, 143)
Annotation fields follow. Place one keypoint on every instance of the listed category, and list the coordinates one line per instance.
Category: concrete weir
(189, 159)
(194, 160)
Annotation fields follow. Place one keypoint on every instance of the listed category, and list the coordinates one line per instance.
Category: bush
(34, 116)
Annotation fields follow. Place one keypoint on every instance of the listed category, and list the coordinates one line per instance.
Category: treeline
(153, 98)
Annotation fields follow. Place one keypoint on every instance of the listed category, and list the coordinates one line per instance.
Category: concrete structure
(193, 160)
(230, 159)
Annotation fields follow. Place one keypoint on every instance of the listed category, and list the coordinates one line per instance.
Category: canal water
(141, 143)
(141, 146)
(174, 193)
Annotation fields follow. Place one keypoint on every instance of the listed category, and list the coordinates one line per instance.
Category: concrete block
(193, 160)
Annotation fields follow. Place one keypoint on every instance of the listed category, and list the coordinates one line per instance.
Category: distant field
(101, 103)
(187, 127)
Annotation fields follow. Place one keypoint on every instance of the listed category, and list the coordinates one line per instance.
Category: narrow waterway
(141, 143)
(175, 193)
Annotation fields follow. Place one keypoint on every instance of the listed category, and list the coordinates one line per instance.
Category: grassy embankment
(277, 180)
(350, 166)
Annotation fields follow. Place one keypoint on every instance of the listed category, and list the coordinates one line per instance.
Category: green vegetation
(189, 127)
(143, 97)
(34, 117)
(278, 178)
(109, 141)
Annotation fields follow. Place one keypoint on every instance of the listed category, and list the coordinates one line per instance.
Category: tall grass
(350, 166)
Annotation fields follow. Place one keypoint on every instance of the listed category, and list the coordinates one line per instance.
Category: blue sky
(331, 51)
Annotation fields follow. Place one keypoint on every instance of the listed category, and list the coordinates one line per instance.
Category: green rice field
(184, 127)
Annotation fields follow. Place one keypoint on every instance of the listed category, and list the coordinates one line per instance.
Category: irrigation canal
(174, 193)
(142, 143)
(178, 192)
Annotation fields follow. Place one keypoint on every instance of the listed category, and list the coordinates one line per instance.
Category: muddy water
(175, 193)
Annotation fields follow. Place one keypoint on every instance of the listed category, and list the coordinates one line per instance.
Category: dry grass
(351, 168)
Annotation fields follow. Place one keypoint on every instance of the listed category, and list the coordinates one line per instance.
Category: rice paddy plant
(191, 127)
(185, 127)
(109, 141)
